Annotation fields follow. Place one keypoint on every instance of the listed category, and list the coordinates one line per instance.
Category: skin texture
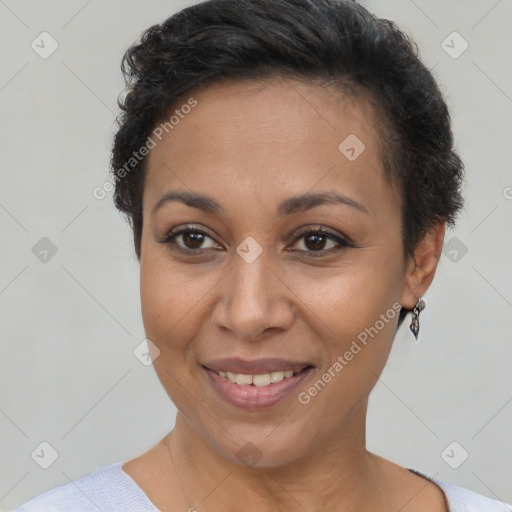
(250, 146)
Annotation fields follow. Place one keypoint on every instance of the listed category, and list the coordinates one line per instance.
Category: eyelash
(342, 243)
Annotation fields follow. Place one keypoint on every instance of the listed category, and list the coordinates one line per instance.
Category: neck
(342, 473)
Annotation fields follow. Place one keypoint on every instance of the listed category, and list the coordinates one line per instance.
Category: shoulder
(463, 500)
(107, 489)
(460, 499)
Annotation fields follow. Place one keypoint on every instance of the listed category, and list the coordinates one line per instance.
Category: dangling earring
(415, 321)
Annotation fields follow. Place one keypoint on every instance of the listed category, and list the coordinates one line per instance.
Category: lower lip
(256, 397)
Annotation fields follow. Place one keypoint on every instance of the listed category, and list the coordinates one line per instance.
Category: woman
(288, 171)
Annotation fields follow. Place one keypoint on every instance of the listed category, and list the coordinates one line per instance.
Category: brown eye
(189, 239)
(321, 242)
(315, 242)
(192, 239)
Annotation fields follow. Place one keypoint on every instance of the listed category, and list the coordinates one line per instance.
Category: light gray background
(69, 326)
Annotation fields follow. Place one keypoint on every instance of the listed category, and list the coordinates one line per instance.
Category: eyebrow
(294, 204)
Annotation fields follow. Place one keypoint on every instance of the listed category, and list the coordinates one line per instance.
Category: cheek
(350, 297)
(167, 303)
(164, 299)
(353, 310)
(355, 314)
(173, 296)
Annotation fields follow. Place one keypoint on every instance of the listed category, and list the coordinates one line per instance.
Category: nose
(254, 302)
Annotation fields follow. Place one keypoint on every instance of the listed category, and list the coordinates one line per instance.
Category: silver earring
(415, 321)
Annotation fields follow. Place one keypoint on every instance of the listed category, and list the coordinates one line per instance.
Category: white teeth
(276, 377)
(261, 380)
(257, 380)
(243, 379)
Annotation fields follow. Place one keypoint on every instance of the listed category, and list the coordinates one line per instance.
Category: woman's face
(250, 288)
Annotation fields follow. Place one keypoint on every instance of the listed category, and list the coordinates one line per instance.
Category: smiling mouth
(260, 390)
(263, 379)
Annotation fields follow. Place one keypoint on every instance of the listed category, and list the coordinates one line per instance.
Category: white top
(110, 489)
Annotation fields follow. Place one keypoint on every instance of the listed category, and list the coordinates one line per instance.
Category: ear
(422, 267)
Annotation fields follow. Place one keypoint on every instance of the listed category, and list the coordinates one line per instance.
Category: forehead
(273, 138)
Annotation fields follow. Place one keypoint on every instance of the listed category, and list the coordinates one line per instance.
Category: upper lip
(256, 366)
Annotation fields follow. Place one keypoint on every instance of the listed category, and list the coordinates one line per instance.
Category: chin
(263, 446)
